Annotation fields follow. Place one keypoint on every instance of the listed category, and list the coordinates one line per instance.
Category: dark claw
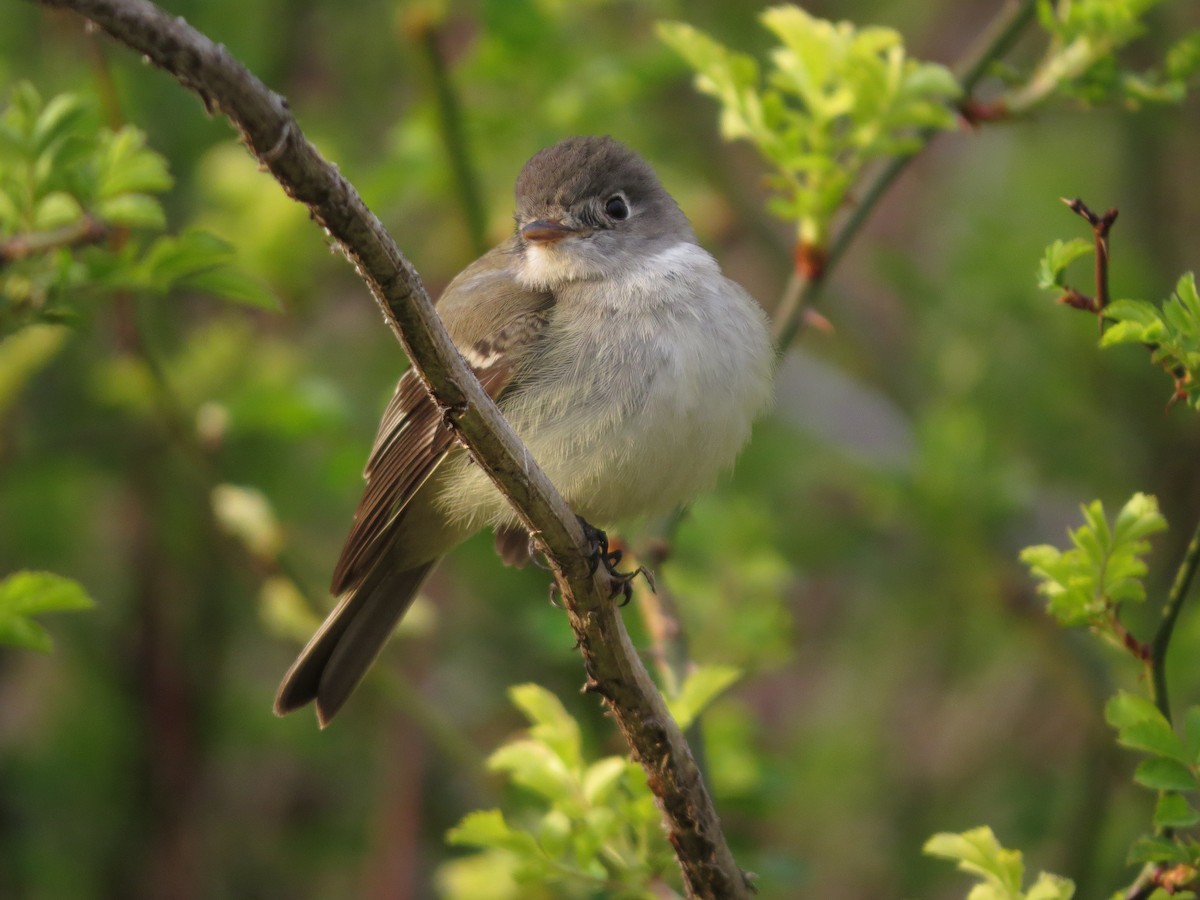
(622, 582)
(554, 601)
(535, 554)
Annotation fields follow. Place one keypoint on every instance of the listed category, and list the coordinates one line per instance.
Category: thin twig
(614, 670)
(1101, 225)
(1162, 637)
(454, 140)
(88, 230)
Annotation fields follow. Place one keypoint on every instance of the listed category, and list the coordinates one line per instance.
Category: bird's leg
(622, 582)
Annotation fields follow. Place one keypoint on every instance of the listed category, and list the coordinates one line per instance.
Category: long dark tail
(339, 654)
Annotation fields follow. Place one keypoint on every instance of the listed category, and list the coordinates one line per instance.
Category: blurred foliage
(599, 833)
(26, 594)
(68, 184)
(1000, 871)
(1087, 584)
(194, 464)
(1172, 330)
(1081, 59)
(838, 98)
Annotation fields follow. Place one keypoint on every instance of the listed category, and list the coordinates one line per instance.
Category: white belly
(637, 406)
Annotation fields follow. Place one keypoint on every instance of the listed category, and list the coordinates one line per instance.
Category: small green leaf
(1000, 871)
(1140, 726)
(1057, 257)
(1051, 887)
(26, 594)
(56, 209)
(1173, 811)
(552, 724)
(977, 851)
(699, 689)
(1163, 774)
(536, 766)
(132, 210)
(602, 777)
(1157, 849)
(127, 167)
(487, 828)
(234, 284)
(63, 118)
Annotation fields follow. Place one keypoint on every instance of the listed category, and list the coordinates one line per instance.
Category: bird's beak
(546, 231)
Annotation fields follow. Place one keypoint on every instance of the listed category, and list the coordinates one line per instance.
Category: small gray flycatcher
(631, 368)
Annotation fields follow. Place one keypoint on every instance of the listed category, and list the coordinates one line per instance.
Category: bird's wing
(413, 436)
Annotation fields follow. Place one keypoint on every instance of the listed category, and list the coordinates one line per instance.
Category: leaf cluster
(834, 99)
(1172, 768)
(72, 194)
(1085, 585)
(597, 831)
(1082, 62)
(1171, 331)
(1001, 872)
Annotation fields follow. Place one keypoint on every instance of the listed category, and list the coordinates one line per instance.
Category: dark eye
(616, 208)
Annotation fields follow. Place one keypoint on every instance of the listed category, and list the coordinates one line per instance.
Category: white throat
(553, 267)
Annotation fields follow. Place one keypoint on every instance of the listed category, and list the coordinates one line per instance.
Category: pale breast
(645, 392)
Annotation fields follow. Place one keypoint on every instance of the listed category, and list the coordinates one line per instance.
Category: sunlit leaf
(27, 594)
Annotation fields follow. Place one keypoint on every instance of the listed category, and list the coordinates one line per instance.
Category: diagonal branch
(614, 670)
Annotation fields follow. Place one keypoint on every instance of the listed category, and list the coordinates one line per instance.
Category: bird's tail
(339, 654)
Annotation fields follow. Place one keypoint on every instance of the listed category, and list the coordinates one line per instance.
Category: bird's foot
(622, 582)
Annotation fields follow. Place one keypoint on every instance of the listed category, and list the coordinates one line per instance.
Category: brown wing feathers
(413, 439)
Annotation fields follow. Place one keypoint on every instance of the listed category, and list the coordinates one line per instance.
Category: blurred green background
(859, 564)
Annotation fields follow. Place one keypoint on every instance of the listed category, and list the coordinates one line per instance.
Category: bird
(629, 365)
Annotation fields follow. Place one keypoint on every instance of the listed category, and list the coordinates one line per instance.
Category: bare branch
(614, 670)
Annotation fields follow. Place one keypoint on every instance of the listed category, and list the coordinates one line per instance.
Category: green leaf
(1051, 887)
(56, 209)
(1173, 329)
(233, 284)
(132, 210)
(60, 116)
(26, 594)
(535, 765)
(1173, 811)
(552, 724)
(601, 778)
(702, 685)
(1131, 322)
(1000, 871)
(127, 167)
(978, 852)
(487, 828)
(1163, 774)
(1057, 257)
(1158, 849)
(1141, 726)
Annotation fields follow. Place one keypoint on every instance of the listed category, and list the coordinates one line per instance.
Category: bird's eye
(616, 208)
